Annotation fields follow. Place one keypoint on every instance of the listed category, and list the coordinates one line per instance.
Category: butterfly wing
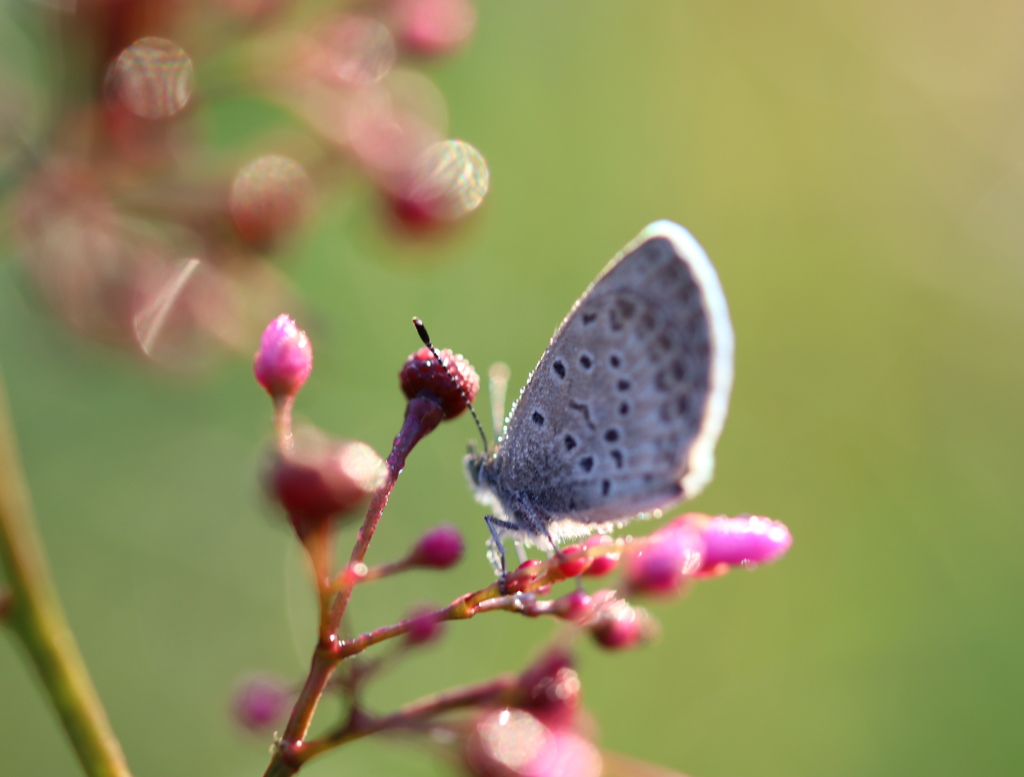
(623, 411)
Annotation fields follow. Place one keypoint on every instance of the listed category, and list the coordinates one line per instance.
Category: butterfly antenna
(421, 330)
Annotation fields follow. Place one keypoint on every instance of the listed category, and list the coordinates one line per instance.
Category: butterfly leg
(495, 526)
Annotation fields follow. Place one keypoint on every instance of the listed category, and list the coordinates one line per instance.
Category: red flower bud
(439, 548)
(603, 564)
(550, 689)
(663, 562)
(261, 702)
(574, 606)
(619, 625)
(425, 627)
(520, 578)
(322, 477)
(424, 376)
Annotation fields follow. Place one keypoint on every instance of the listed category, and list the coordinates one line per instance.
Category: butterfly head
(482, 469)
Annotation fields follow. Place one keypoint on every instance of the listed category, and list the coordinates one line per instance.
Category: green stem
(34, 613)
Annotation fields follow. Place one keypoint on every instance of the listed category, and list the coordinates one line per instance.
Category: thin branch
(34, 614)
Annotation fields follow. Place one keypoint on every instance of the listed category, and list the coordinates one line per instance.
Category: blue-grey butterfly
(621, 415)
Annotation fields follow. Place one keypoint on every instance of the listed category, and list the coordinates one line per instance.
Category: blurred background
(854, 169)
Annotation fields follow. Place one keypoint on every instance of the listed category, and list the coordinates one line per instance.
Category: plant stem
(421, 417)
(34, 613)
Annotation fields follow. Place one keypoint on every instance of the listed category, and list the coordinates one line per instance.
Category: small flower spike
(284, 360)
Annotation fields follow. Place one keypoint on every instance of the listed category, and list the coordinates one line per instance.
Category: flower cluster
(527, 725)
(139, 229)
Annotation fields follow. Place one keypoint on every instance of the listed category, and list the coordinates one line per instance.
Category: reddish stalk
(422, 416)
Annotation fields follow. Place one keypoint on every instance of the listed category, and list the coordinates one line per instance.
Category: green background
(854, 169)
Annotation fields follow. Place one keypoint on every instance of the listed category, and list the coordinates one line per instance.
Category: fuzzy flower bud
(662, 563)
(285, 358)
(619, 625)
(424, 626)
(323, 477)
(433, 27)
(572, 563)
(574, 606)
(605, 563)
(260, 703)
(746, 541)
(523, 576)
(439, 548)
(423, 376)
(514, 743)
(550, 689)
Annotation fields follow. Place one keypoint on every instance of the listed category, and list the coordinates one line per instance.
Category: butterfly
(621, 416)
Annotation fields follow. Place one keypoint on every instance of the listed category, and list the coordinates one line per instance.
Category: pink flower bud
(662, 563)
(423, 376)
(574, 606)
(261, 702)
(747, 541)
(425, 626)
(550, 689)
(323, 477)
(433, 27)
(522, 576)
(574, 564)
(603, 564)
(285, 358)
(514, 743)
(439, 548)
(619, 625)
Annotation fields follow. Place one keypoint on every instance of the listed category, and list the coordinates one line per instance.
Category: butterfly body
(621, 415)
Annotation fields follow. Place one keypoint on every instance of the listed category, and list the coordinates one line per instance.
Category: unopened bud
(424, 376)
(433, 27)
(323, 477)
(260, 703)
(663, 562)
(439, 548)
(522, 576)
(425, 626)
(285, 358)
(607, 561)
(550, 689)
(746, 541)
(619, 625)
